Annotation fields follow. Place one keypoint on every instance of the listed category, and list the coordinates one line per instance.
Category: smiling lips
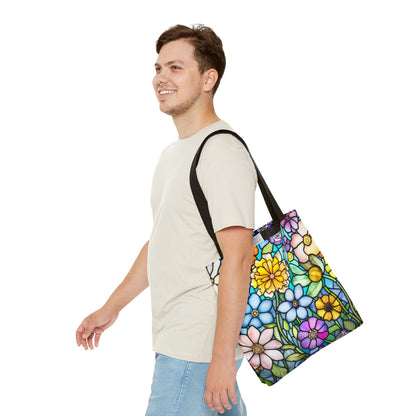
(166, 92)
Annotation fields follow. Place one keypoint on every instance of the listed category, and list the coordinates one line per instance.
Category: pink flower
(303, 244)
(259, 349)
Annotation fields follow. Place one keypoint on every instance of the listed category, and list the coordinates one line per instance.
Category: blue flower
(295, 304)
(258, 311)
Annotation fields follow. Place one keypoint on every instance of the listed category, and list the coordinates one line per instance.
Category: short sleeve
(228, 180)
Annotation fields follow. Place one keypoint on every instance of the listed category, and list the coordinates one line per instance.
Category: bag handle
(202, 204)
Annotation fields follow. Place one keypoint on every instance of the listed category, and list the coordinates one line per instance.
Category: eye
(157, 68)
(175, 67)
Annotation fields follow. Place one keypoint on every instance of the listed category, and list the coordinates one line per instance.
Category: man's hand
(220, 384)
(95, 324)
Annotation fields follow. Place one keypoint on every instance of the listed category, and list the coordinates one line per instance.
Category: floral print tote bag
(296, 306)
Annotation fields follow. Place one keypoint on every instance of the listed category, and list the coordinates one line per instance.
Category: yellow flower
(328, 307)
(270, 274)
(315, 274)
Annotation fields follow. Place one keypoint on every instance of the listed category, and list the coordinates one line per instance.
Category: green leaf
(295, 332)
(269, 383)
(315, 260)
(270, 325)
(314, 289)
(333, 328)
(276, 334)
(288, 347)
(286, 325)
(349, 325)
(297, 270)
(279, 371)
(268, 248)
(344, 316)
(303, 280)
(280, 297)
(295, 357)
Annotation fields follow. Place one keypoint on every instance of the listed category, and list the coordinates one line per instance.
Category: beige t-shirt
(184, 302)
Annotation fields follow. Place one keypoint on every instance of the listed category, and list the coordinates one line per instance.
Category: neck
(194, 120)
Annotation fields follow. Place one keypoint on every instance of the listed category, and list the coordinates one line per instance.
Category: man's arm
(132, 285)
(237, 247)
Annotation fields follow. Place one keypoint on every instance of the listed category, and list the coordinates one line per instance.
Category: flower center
(313, 334)
(295, 303)
(328, 307)
(254, 313)
(307, 240)
(272, 276)
(258, 348)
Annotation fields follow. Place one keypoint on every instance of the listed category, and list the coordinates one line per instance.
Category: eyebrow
(176, 61)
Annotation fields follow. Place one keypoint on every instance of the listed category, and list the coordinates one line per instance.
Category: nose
(160, 77)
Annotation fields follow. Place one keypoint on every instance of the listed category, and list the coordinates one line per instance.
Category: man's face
(178, 84)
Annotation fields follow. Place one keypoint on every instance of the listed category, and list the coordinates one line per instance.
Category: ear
(210, 78)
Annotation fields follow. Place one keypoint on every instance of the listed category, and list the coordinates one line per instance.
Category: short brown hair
(208, 47)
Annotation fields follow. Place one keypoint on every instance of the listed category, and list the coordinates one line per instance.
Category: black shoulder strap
(202, 204)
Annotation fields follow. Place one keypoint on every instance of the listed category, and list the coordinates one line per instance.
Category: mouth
(166, 92)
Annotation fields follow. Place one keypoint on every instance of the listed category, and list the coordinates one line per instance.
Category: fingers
(223, 402)
(86, 332)
(89, 341)
(219, 400)
(233, 396)
(208, 399)
(80, 335)
(224, 399)
(97, 338)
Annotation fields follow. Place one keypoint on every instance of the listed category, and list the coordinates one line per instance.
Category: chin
(167, 111)
(173, 111)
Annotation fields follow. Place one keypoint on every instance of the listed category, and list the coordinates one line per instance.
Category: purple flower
(312, 333)
(287, 244)
(295, 304)
(276, 239)
(290, 223)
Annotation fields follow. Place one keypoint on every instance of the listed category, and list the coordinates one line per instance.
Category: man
(195, 331)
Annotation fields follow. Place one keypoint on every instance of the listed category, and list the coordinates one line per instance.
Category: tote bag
(296, 306)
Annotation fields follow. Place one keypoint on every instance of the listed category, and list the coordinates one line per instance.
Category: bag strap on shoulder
(202, 204)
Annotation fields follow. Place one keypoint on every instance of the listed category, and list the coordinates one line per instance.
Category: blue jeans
(178, 389)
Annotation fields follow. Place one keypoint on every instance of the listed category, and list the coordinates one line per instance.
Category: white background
(323, 92)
